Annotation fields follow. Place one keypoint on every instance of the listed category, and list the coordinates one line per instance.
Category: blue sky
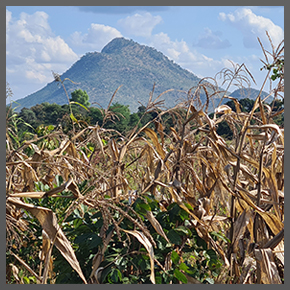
(200, 39)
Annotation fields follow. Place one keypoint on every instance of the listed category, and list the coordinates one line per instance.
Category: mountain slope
(121, 62)
(249, 93)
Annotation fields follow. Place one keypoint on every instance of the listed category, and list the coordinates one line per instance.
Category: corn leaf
(148, 246)
(48, 221)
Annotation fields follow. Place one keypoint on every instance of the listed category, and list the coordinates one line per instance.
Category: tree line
(32, 120)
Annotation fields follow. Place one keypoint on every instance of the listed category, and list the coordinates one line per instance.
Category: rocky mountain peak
(118, 44)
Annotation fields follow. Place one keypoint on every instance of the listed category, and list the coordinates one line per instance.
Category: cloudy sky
(200, 39)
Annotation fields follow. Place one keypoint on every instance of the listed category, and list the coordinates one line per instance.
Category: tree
(246, 105)
(278, 107)
(28, 116)
(81, 97)
(134, 118)
(120, 119)
(146, 116)
(224, 130)
(277, 104)
(95, 116)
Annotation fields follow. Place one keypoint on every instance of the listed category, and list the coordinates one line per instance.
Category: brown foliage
(236, 188)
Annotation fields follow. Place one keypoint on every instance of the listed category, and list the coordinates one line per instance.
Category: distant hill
(121, 62)
(249, 93)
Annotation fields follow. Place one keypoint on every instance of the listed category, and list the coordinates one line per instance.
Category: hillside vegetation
(166, 201)
(121, 62)
(134, 67)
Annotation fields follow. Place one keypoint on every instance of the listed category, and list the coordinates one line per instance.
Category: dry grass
(237, 189)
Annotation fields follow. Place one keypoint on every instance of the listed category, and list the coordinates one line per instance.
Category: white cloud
(8, 20)
(140, 24)
(253, 26)
(32, 50)
(198, 63)
(212, 40)
(187, 58)
(32, 75)
(8, 17)
(175, 50)
(97, 37)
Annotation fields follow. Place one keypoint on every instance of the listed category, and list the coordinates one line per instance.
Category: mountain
(249, 93)
(121, 62)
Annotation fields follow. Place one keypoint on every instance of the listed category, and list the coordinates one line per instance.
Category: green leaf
(73, 118)
(174, 212)
(105, 272)
(183, 230)
(77, 213)
(94, 241)
(212, 254)
(59, 180)
(77, 223)
(220, 236)
(84, 207)
(26, 280)
(28, 125)
(115, 275)
(188, 206)
(99, 224)
(80, 239)
(183, 267)
(145, 206)
(180, 276)
(158, 279)
(142, 263)
(50, 127)
(73, 102)
(120, 275)
(141, 207)
(201, 243)
(160, 241)
(175, 257)
(174, 237)
(209, 280)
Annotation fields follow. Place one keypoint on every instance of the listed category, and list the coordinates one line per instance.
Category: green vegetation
(80, 97)
(122, 120)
